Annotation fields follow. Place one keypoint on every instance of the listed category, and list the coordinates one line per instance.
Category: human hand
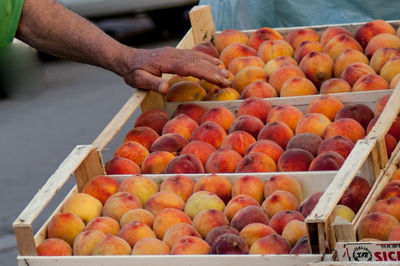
(144, 67)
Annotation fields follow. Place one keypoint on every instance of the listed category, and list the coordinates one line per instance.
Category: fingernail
(163, 87)
(225, 72)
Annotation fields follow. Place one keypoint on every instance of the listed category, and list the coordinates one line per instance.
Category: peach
(180, 124)
(207, 48)
(259, 89)
(271, 244)
(121, 166)
(396, 174)
(256, 162)
(248, 75)
(283, 182)
(293, 231)
(394, 130)
(274, 48)
(334, 85)
(356, 193)
(297, 86)
(383, 40)
(355, 71)
(317, 67)
(329, 160)
(370, 82)
(248, 123)
(391, 189)
(133, 151)
(104, 224)
(254, 106)
(141, 215)
(377, 225)
(381, 56)
(237, 203)
(179, 184)
(269, 147)
(229, 36)
(394, 234)
(170, 142)
(229, 244)
(208, 219)
(395, 81)
(150, 246)
(134, 231)
(249, 185)
(276, 131)
(65, 226)
(306, 141)
(194, 111)
(144, 135)
(306, 47)
(141, 186)
(296, 37)
(390, 143)
(283, 73)
(235, 50)
(177, 231)
(339, 144)
(223, 94)
(275, 63)
(222, 161)
(346, 127)
(289, 114)
(156, 162)
(251, 232)
(185, 91)
(112, 245)
(209, 132)
(279, 221)
(119, 203)
(390, 69)
(84, 205)
(344, 212)
(248, 215)
(279, 200)
(331, 32)
(218, 231)
(238, 141)
(101, 187)
(346, 58)
(153, 118)
(177, 78)
(216, 184)
(239, 63)
(359, 112)
(54, 247)
(184, 164)
(263, 34)
(325, 104)
(220, 115)
(163, 199)
(301, 246)
(388, 205)
(86, 241)
(315, 123)
(295, 160)
(203, 200)
(200, 149)
(167, 218)
(308, 204)
(190, 245)
(335, 46)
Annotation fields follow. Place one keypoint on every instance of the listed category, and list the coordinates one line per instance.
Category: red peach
(144, 135)
(269, 147)
(184, 164)
(276, 131)
(248, 123)
(200, 149)
(154, 118)
(295, 160)
(222, 161)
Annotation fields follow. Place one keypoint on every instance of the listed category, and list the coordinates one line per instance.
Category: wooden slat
(25, 241)
(203, 28)
(344, 231)
(153, 100)
(90, 167)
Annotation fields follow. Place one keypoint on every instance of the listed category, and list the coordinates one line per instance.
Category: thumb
(144, 80)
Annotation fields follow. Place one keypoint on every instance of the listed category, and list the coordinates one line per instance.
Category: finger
(211, 73)
(144, 80)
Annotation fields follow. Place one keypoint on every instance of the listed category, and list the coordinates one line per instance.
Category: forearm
(62, 33)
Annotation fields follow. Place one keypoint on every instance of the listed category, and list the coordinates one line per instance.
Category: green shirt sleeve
(10, 12)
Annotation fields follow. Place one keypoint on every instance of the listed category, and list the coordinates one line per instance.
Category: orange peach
(334, 85)
(367, 31)
(229, 36)
(332, 31)
(359, 112)
(200, 149)
(293, 231)
(355, 71)
(283, 182)
(256, 162)
(295, 160)
(101, 187)
(315, 123)
(279, 200)
(133, 151)
(370, 82)
(229, 244)
(150, 246)
(220, 115)
(112, 245)
(238, 141)
(235, 50)
(248, 123)
(167, 218)
(279, 221)
(141, 215)
(54, 247)
(391, 189)
(207, 48)
(356, 193)
(388, 205)
(208, 219)
(216, 184)
(329, 160)
(263, 34)
(153, 118)
(390, 69)
(274, 48)
(306, 47)
(141, 186)
(119, 203)
(170, 142)
(176, 78)
(134, 231)
(377, 225)
(163, 199)
(248, 75)
(179, 184)
(346, 58)
(297, 36)
(394, 234)
(86, 241)
(237, 203)
(144, 135)
(218, 231)
(283, 73)
(192, 110)
(339, 43)
(223, 94)
(259, 89)
(156, 162)
(84, 205)
(339, 144)
(276, 131)
(177, 231)
(251, 232)
(180, 124)
(383, 40)
(248, 215)
(65, 226)
(271, 244)
(249, 185)
(297, 86)
(222, 161)
(396, 174)
(104, 224)
(203, 200)
(317, 66)
(381, 56)
(269, 147)
(209, 132)
(325, 104)
(273, 64)
(306, 141)
(347, 127)
(190, 245)
(239, 63)
(184, 164)
(121, 166)
(308, 204)
(395, 81)
(301, 246)
(254, 106)
(185, 91)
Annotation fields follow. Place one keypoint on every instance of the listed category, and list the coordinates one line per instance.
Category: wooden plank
(203, 28)
(90, 167)
(344, 231)
(153, 100)
(25, 241)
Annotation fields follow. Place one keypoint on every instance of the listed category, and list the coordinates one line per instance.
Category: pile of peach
(382, 223)
(266, 64)
(260, 138)
(211, 215)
